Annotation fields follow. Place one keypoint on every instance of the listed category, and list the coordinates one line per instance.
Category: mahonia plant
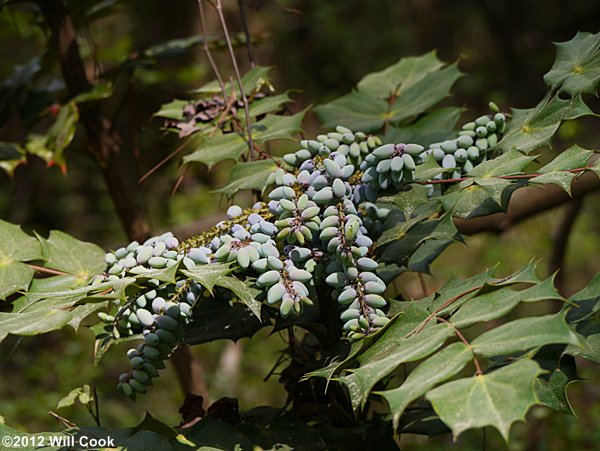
(317, 225)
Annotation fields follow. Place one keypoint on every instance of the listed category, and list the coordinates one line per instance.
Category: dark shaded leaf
(433, 127)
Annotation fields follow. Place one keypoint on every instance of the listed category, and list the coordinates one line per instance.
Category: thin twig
(282, 358)
(219, 8)
(55, 272)
(421, 326)
(462, 338)
(244, 17)
(163, 161)
(295, 12)
(206, 49)
(179, 180)
(238, 128)
(506, 177)
(63, 420)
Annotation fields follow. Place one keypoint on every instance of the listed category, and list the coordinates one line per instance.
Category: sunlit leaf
(523, 334)
(436, 369)
(530, 129)
(496, 399)
(576, 69)
(251, 175)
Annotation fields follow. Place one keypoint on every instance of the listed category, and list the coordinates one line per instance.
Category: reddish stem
(421, 326)
(55, 272)
(506, 177)
(462, 338)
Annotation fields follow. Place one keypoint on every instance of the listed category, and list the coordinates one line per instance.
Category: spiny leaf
(277, 127)
(496, 399)
(494, 187)
(14, 277)
(33, 323)
(245, 293)
(250, 175)
(533, 128)
(426, 253)
(557, 170)
(560, 178)
(510, 163)
(172, 110)
(436, 126)
(357, 111)
(572, 158)
(82, 394)
(89, 290)
(55, 283)
(269, 104)
(456, 292)
(498, 303)
(523, 334)
(481, 198)
(428, 170)
(389, 352)
(584, 318)
(81, 312)
(400, 76)
(208, 275)
(585, 301)
(230, 146)
(408, 201)
(216, 319)
(403, 84)
(251, 80)
(431, 372)
(16, 247)
(526, 274)
(66, 253)
(576, 69)
(149, 423)
(551, 388)
(411, 102)
(403, 240)
(34, 439)
(402, 323)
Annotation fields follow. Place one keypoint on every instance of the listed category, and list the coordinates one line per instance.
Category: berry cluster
(316, 229)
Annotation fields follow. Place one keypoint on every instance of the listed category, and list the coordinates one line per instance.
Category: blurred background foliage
(322, 49)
